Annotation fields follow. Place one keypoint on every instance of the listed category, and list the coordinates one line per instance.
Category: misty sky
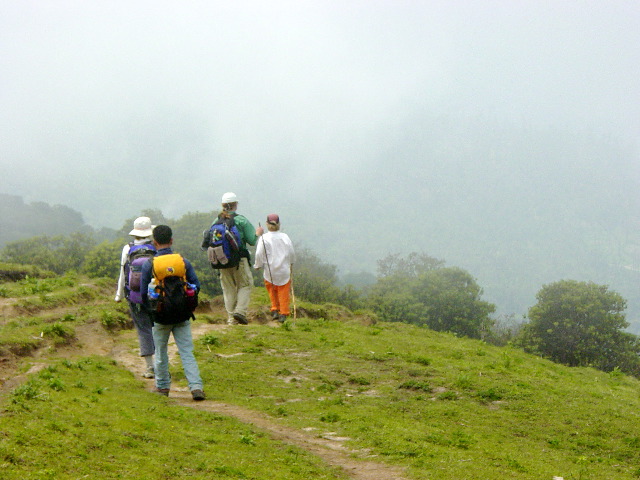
(190, 99)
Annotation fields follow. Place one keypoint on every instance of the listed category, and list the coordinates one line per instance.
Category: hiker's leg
(184, 342)
(229, 291)
(143, 324)
(161, 339)
(283, 298)
(149, 360)
(244, 281)
(273, 295)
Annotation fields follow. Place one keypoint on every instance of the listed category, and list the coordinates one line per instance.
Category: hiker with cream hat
(134, 254)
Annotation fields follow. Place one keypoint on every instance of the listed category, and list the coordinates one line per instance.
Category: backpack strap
(230, 221)
(143, 246)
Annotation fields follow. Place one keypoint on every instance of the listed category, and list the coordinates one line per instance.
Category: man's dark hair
(162, 234)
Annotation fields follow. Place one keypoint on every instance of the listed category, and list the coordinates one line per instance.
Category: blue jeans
(143, 323)
(184, 342)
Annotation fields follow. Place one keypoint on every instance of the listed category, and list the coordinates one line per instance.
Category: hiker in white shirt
(276, 256)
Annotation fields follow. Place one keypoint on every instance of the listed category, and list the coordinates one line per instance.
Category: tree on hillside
(411, 266)
(359, 280)
(581, 324)
(20, 220)
(103, 260)
(58, 254)
(187, 234)
(421, 291)
(313, 279)
(453, 302)
(156, 216)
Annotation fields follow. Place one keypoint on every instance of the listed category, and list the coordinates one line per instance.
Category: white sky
(244, 96)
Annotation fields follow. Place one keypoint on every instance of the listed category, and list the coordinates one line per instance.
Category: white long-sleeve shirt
(123, 261)
(275, 255)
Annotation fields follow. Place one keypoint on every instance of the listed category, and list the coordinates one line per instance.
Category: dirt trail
(331, 450)
(94, 340)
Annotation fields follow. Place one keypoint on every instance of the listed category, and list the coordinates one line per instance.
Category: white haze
(299, 106)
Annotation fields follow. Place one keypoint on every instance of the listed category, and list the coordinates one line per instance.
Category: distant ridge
(20, 220)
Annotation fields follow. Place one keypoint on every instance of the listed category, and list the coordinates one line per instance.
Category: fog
(374, 114)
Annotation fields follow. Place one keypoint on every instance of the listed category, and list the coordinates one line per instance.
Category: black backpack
(173, 299)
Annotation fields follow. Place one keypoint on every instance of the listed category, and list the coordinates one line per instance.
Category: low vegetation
(11, 272)
(582, 324)
(88, 418)
(439, 406)
(444, 407)
(574, 323)
(46, 311)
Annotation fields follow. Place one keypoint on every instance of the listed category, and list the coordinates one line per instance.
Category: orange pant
(279, 295)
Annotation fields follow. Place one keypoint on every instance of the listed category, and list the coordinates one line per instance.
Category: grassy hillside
(436, 406)
(444, 407)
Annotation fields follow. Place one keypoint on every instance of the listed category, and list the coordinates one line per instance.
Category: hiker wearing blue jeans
(181, 330)
(184, 341)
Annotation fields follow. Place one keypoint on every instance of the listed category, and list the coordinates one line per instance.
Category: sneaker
(162, 391)
(240, 318)
(197, 395)
(274, 314)
(282, 318)
(149, 373)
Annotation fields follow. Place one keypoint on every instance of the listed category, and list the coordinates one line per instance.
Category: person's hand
(259, 231)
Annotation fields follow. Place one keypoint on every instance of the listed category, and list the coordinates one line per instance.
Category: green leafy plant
(113, 320)
(58, 330)
(581, 324)
(210, 340)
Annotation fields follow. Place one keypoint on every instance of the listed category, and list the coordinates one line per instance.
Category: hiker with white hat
(276, 255)
(235, 272)
(134, 254)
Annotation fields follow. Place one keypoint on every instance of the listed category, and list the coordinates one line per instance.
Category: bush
(58, 254)
(103, 260)
(581, 324)
(441, 298)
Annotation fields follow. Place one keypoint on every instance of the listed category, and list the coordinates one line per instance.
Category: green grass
(52, 307)
(444, 407)
(33, 285)
(11, 272)
(24, 334)
(57, 298)
(34, 294)
(90, 419)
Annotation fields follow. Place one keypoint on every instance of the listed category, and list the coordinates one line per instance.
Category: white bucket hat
(142, 227)
(229, 197)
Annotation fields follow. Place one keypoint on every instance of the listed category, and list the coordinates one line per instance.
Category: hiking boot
(149, 373)
(240, 318)
(274, 314)
(197, 395)
(282, 318)
(162, 391)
